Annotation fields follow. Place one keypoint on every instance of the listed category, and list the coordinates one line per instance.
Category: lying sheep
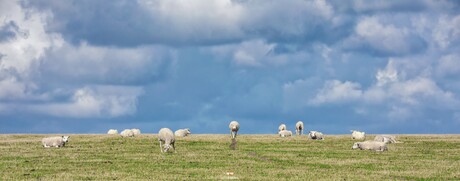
(127, 133)
(315, 135)
(386, 138)
(182, 132)
(234, 127)
(299, 128)
(281, 127)
(358, 135)
(136, 132)
(370, 145)
(57, 141)
(285, 133)
(166, 139)
(112, 131)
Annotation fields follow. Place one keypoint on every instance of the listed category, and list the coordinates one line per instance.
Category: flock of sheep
(167, 138)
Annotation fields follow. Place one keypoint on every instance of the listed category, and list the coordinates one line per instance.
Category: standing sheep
(370, 145)
(315, 135)
(299, 128)
(234, 127)
(285, 133)
(166, 139)
(57, 141)
(281, 127)
(182, 132)
(358, 135)
(136, 132)
(112, 131)
(127, 133)
(385, 138)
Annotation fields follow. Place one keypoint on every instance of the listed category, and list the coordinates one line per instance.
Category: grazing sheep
(285, 133)
(136, 132)
(370, 145)
(316, 135)
(358, 135)
(127, 133)
(234, 127)
(281, 127)
(112, 131)
(182, 132)
(57, 141)
(299, 128)
(386, 138)
(166, 139)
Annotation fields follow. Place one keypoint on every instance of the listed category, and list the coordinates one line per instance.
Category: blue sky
(87, 66)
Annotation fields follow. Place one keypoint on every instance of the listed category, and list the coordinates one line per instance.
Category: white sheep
(166, 139)
(370, 145)
(182, 132)
(112, 131)
(358, 135)
(281, 127)
(234, 127)
(285, 133)
(386, 138)
(127, 133)
(136, 132)
(316, 135)
(57, 141)
(299, 128)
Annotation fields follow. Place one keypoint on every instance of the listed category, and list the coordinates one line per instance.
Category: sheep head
(65, 138)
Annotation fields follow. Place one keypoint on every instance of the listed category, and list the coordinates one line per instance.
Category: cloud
(179, 23)
(447, 32)
(401, 97)
(94, 102)
(88, 64)
(335, 91)
(386, 39)
(43, 74)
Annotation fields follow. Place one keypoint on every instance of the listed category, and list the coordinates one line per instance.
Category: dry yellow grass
(209, 157)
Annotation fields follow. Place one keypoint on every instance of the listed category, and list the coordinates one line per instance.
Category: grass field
(208, 157)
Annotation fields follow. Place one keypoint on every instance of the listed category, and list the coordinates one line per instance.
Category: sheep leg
(161, 147)
(174, 147)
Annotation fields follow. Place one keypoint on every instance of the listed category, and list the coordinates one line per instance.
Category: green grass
(208, 157)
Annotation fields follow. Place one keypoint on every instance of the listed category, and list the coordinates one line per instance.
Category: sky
(85, 66)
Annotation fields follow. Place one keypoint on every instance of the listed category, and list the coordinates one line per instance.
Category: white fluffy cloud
(20, 52)
(31, 58)
(336, 91)
(401, 97)
(385, 37)
(88, 102)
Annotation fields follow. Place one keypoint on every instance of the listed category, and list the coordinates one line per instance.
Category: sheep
(299, 128)
(315, 135)
(57, 141)
(166, 139)
(285, 133)
(182, 132)
(357, 135)
(136, 132)
(281, 127)
(112, 131)
(234, 127)
(127, 133)
(386, 138)
(370, 145)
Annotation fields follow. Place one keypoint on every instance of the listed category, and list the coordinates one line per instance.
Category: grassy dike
(208, 157)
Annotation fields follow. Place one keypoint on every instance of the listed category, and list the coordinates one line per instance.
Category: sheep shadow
(233, 145)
